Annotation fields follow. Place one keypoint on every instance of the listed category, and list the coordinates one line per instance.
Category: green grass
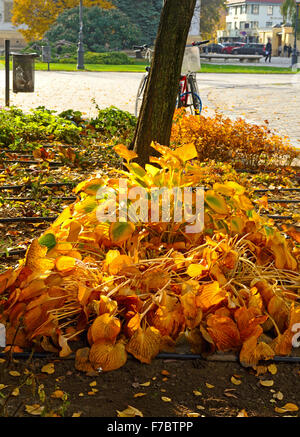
(213, 68)
(139, 66)
(40, 66)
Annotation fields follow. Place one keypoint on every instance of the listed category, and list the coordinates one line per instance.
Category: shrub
(112, 58)
(17, 128)
(238, 142)
(113, 122)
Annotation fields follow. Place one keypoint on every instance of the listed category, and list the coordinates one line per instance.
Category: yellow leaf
(35, 409)
(93, 384)
(58, 394)
(216, 202)
(266, 383)
(48, 368)
(166, 399)
(193, 414)
(278, 396)
(272, 369)
(197, 393)
(121, 231)
(122, 151)
(130, 412)
(280, 410)
(14, 373)
(65, 263)
(290, 407)
(145, 384)
(139, 395)
(209, 385)
(77, 414)
(242, 413)
(186, 152)
(235, 381)
(194, 270)
(16, 392)
(2, 386)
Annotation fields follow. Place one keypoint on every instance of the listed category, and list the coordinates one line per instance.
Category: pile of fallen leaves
(137, 288)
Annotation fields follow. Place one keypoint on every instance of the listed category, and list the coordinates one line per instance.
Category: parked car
(228, 47)
(250, 49)
(213, 48)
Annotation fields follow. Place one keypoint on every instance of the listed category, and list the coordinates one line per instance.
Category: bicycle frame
(183, 90)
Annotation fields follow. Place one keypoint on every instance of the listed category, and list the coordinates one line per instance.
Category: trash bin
(23, 72)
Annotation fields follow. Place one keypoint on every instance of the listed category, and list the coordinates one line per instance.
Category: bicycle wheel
(195, 93)
(192, 102)
(140, 95)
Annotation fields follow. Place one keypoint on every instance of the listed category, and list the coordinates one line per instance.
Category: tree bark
(156, 115)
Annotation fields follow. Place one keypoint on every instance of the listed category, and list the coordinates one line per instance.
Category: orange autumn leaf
(120, 263)
(105, 357)
(125, 153)
(192, 312)
(252, 351)
(248, 320)
(82, 362)
(105, 327)
(144, 344)
(65, 263)
(224, 332)
(210, 295)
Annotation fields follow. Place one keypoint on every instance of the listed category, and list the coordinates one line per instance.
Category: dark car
(250, 49)
(229, 46)
(213, 48)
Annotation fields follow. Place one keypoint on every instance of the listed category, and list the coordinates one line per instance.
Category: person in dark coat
(290, 50)
(268, 50)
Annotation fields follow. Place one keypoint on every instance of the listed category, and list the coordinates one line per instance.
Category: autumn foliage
(137, 288)
(241, 143)
(39, 15)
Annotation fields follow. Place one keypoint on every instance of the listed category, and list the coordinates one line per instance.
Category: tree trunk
(156, 115)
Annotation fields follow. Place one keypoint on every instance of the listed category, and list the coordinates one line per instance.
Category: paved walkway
(274, 97)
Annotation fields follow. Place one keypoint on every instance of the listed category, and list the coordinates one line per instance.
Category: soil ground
(174, 388)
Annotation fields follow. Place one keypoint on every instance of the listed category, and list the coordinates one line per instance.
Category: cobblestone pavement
(257, 97)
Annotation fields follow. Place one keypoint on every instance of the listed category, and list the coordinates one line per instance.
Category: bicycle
(188, 93)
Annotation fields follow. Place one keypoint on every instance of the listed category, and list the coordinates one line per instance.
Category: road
(256, 97)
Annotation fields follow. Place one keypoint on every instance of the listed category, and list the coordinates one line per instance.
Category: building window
(236, 25)
(7, 11)
(242, 24)
(269, 24)
(247, 25)
(255, 9)
(270, 10)
(229, 26)
(254, 24)
(236, 10)
(244, 9)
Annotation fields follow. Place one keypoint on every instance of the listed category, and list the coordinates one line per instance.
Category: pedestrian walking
(289, 50)
(268, 51)
(285, 50)
(279, 51)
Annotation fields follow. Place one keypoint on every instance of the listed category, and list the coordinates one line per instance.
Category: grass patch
(139, 66)
(215, 68)
(41, 66)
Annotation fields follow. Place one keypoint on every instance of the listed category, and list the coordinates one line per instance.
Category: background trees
(39, 15)
(103, 29)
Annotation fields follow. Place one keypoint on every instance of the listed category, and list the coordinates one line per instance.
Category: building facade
(7, 30)
(245, 18)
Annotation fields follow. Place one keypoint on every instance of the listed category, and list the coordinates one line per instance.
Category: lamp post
(295, 56)
(80, 51)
